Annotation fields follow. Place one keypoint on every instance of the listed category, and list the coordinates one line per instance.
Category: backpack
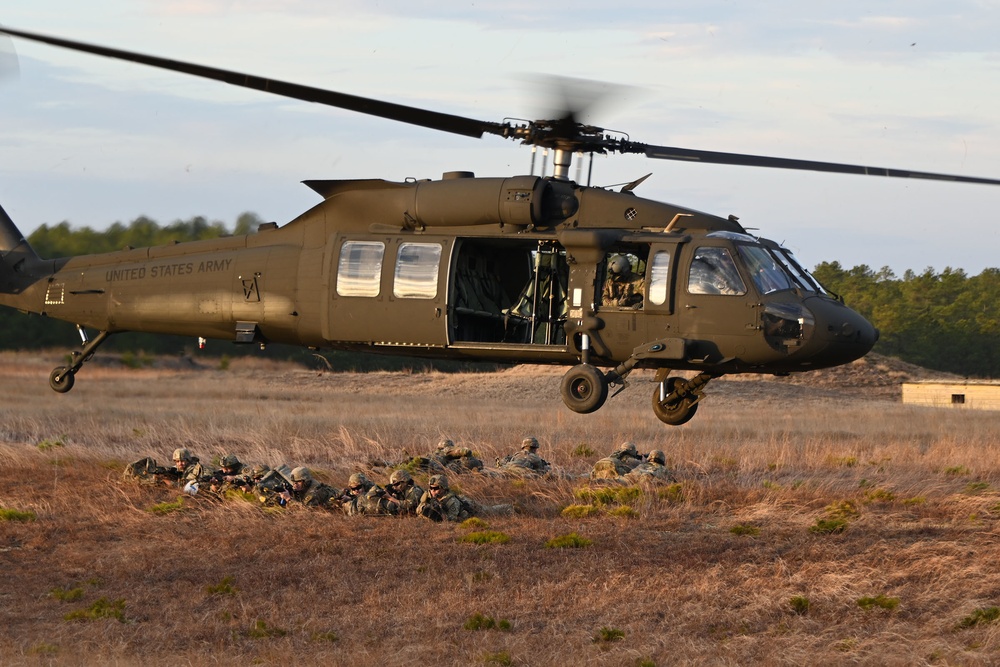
(142, 471)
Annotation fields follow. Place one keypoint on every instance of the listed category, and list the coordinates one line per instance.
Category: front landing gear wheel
(61, 379)
(676, 412)
(584, 389)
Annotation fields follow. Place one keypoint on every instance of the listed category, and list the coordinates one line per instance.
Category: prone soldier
(620, 462)
(186, 472)
(403, 495)
(440, 503)
(308, 491)
(525, 461)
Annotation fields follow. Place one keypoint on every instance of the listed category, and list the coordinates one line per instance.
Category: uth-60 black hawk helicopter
(511, 269)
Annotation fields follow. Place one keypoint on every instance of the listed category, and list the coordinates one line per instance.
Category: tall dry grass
(704, 571)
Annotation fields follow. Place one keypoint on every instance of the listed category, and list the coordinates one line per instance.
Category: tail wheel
(61, 379)
(584, 389)
(676, 412)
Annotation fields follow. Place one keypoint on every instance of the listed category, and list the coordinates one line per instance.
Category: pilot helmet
(619, 265)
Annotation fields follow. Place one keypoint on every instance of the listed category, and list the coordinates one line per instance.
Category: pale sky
(903, 84)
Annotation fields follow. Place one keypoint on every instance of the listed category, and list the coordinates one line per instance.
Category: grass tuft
(673, 494)
(880, 601)
(67, 594)
(224, 587)
(799, 605)
(486, 537)
(579, 511)
(474, 523)
(570, 541)
(7, 514)
(502, 658)
(48, 445)
(482, 622)
(619, 495)
(261, 630)
(980, 617)
(975, 488)
(102, 608)
(607, 635)
(328, 636)
(583, 451)
(167, 507)
(745, 529)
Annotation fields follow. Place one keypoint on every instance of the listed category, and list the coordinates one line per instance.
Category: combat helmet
(301, 474)
(445, 443)
(438, 480)
(182, 454)
(229, 461)
(400, 476)
(530, 442)
(359, 479)
(656, 456)
(628, 448)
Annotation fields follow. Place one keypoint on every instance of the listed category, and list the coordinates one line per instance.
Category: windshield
(765, 270)
(802, 277)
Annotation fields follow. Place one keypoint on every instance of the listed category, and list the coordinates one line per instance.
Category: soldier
(403, 495)
(363, 496)
(456, 459)
(623, 288)
(618, 463)
(233, 474)
(186, 473)
(440, 503)
(308, 491)
(654, 468)
(526, 461)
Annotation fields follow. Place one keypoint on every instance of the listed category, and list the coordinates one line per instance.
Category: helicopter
(514, 269)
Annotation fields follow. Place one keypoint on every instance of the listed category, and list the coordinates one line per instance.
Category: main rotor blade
(431, 119)
(690, 155)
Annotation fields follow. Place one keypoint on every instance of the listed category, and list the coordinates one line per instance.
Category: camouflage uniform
(525, 461)
(653, 468)
(234, 475)
(455, 459)
(186, 470)
(618, 463)
(402, 494)
(308, 491)
(447, 506)
(363, 496)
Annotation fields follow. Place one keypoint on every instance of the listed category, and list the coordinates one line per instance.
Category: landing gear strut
(62, 378)
(675, 400)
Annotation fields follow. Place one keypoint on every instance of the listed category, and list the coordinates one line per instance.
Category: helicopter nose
(840, 335)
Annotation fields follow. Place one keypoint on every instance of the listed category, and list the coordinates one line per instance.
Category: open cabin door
(509, 293)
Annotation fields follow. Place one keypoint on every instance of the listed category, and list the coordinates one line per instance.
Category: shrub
(102, 608)
(880, 601)
(7, 514)
(623, 511)
(486, 537)
(582, 451)
(579, 511)
(745, 529)
(980, 617)
(570, 541)
(799, 604)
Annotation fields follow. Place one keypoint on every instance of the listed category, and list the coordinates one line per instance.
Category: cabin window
(659, 276)
(360, 269)
(713, 271)
(417, 270)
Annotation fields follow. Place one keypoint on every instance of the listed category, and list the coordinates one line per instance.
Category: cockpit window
(802, 276)
(766, 273)
(713, 271)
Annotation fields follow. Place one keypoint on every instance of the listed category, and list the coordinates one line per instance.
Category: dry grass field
(811, 522)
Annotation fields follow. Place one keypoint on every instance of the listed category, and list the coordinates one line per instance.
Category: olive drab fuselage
(501, 269)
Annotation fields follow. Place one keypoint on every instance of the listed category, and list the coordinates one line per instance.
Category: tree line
(946, 321)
